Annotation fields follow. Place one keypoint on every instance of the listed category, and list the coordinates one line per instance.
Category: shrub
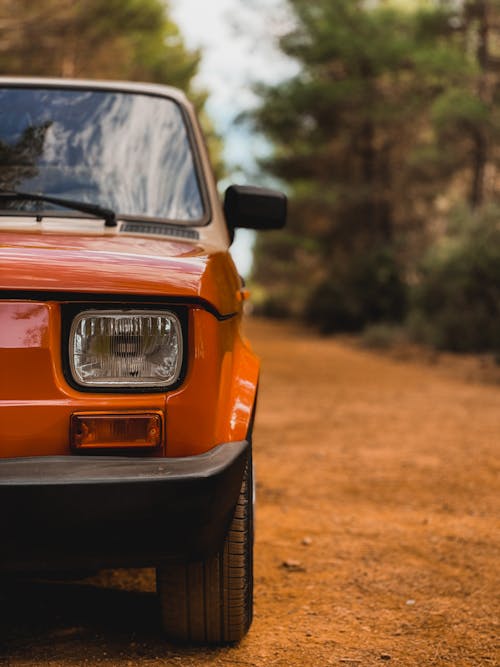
(368, 289)
(274, 307)
(383, 336)
(456, 304)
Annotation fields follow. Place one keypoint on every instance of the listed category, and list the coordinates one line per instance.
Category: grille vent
(161, 229)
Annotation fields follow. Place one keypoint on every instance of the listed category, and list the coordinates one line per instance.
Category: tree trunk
(479, 167)
(479, 10)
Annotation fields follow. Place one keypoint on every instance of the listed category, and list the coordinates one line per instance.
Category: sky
(238, 42)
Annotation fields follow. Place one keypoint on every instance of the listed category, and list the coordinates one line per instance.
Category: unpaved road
(377, 529)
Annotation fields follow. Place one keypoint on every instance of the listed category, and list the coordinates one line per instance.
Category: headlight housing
(124, 348)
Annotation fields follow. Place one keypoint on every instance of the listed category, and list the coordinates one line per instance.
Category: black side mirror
(254, 208)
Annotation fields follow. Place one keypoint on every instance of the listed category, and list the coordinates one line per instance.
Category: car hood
(117, 265)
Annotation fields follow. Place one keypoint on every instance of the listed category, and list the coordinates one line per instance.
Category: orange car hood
(117, 265)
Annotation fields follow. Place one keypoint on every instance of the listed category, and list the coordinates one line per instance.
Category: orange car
(127, 391)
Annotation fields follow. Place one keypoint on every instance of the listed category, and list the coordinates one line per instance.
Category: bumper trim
(88, 469)
(93, 512)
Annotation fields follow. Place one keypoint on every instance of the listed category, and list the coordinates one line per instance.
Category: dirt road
(377, 529)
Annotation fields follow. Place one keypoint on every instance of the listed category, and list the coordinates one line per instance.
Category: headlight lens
(125, 349)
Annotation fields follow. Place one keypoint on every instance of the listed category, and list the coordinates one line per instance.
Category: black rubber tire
(211, 601)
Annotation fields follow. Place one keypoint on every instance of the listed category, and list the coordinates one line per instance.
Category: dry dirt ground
(377, 528)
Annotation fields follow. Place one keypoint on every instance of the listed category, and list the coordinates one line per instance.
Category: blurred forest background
(387, 142)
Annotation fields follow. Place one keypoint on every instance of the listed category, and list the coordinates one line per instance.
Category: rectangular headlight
(123, 348)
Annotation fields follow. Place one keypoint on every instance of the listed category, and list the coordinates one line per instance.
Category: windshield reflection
(125, 151)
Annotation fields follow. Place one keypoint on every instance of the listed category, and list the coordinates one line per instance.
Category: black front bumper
(93, 512)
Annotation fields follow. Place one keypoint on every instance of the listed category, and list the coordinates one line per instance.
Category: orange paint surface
(118, 265)
(213, 404)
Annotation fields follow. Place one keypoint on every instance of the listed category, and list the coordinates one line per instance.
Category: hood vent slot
(160, 229)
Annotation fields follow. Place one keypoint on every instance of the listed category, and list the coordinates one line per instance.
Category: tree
(74, 38)
(466, 116)
(345, 132)
(364, 137)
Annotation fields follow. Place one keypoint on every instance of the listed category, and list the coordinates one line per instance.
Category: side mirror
(254, 208)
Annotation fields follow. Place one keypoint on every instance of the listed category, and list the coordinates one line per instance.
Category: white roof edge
(99, 84)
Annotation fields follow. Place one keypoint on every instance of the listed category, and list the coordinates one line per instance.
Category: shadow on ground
(58, 621)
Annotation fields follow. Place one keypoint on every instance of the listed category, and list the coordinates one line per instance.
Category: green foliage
(383, 336)
(458, 109)
(123, 39)
(390, 122)
(369, 288)
(456, 304)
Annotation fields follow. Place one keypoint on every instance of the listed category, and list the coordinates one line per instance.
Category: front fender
(216, 401)
(238, 400)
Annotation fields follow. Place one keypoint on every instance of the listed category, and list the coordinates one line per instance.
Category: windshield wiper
(106, 214)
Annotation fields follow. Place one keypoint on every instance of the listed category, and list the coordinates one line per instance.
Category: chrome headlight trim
(123, 346)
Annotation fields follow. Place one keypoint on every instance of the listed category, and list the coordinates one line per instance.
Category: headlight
(121, 348)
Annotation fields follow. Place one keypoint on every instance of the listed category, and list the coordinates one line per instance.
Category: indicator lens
(104, 431)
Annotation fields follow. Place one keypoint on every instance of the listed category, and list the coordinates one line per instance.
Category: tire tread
(211, 601)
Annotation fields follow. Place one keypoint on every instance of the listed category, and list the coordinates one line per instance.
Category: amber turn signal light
(115, 431)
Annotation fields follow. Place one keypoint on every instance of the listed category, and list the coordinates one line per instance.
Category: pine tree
(354, 136)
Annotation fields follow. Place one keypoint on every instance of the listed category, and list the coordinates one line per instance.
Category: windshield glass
(125, 151)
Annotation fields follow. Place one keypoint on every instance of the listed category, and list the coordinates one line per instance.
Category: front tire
(211, 601)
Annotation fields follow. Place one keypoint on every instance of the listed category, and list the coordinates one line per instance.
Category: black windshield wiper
(107, 214)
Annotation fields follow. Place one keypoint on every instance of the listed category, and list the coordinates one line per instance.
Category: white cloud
(238, 43)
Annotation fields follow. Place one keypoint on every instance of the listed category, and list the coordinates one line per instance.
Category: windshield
(125, 151)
